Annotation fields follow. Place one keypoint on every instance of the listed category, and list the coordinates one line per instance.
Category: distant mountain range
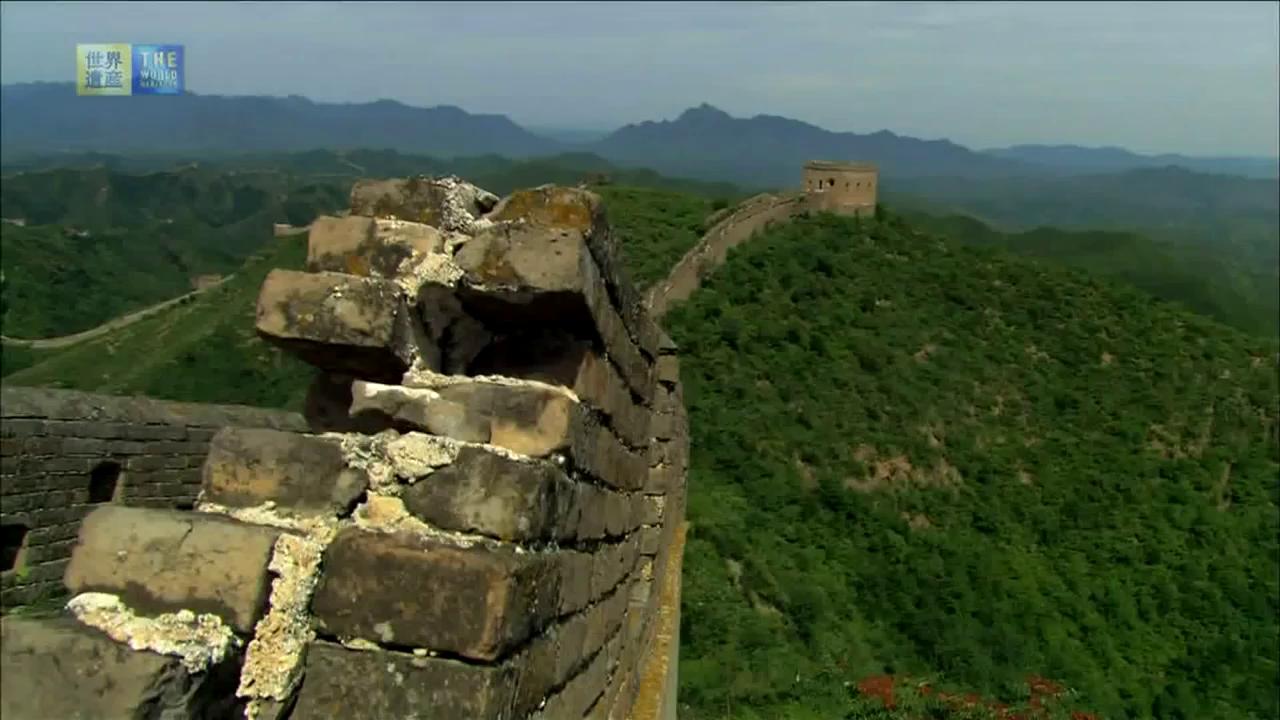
(702, 143)
(45, 117)
(1076, 159)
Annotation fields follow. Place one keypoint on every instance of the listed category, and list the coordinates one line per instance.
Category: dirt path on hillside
(106, 327)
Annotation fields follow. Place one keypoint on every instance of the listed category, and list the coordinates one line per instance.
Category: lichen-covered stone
(58, 668)
(367, 246)
(166, 561)
(408, 590)
(301, 473)
(485, 493)
(446, 203)
(340, 323)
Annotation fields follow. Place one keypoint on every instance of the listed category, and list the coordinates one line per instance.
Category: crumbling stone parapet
(475, 525)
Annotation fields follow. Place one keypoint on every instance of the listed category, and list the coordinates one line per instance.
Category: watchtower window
(103, 481)
(13, 541)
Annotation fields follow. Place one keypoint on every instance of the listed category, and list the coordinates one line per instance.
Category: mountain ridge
(702, 142)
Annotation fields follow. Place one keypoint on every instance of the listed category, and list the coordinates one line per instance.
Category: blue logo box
(157, 70)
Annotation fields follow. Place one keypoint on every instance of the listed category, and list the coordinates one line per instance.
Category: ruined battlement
(483, 519)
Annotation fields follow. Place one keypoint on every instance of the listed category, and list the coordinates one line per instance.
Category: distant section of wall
(752, 216)
(63, 453)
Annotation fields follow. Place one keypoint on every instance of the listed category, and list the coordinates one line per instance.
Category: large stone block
(408, 590)
(528, 419)
(304, 473)
(446, 203)
(486, 493)
(341, 323)
(367, 246)
(56, 668)
(165, 561)
(521, 274)
(375, 685)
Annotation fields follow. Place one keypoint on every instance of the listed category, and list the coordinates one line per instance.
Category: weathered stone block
(367, 246)
(340, 323)
(58, 668)
(650, 538)
(521, 274)
(483, 492)
(377, 404)
(407, 590)
(575, 209)
(650, 509)
(598, 451)
(528, 419)
(579, 693)
(593, 501)
(372, 685)
(305, 473)
(165, 561)
(575, 581)
(612, 563)
(446, 203)
(598, 384)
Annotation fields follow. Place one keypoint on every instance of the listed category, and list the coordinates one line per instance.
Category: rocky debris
(273, 661)
(200, 640)
(60, 668)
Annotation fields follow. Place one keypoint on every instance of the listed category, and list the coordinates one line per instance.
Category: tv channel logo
(125, 69)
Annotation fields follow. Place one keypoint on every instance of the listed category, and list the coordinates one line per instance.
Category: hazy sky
(1154, 77)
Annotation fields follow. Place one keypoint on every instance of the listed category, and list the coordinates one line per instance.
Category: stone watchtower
(843, 188)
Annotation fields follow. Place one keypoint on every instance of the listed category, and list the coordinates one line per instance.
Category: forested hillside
(1203, 280)
(97, 243)
(917, 459)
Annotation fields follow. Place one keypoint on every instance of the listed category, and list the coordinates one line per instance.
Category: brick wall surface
(53, 442)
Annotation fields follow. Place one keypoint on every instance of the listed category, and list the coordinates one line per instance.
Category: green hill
(1202, 280)
(913, 457)
(201, 351)
(97, 243)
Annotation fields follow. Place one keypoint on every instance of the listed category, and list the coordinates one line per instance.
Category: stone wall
(62, 453)
(484, 521)
(749, 218)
